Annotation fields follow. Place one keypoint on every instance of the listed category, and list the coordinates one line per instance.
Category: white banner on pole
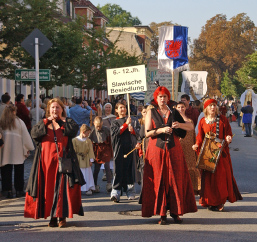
(195, 79)
(126, 80)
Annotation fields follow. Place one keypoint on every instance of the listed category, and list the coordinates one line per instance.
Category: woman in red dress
(50, 193)
(220, 186)
(167, 184)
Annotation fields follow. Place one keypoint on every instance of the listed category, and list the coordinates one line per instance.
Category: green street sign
(30, 75)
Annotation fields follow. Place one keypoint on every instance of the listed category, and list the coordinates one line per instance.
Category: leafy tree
(247, 74)
(121, 58)
(19, 19)
(77, 53)
(95, 59)
(118, 17)
(98, 55)
(223, 45)
(227, 86)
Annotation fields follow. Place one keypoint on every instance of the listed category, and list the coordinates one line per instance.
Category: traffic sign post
(30, 75)
(36, 44)
(37, 77)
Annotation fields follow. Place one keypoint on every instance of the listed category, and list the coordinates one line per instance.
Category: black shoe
(53, 222)
(163, 220)
(177, 219)
(212, 208)
(219, 208)
(9, 195)
(114, 199)
(20, 194)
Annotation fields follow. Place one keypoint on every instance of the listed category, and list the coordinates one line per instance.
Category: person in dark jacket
(22, 111)
(247, 118)
(49, 192)
(124, 131)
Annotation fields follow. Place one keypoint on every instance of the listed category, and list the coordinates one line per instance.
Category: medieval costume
(50, 193)
(103, 153)
(123, 142)
(167, 184)
(218, 187)
(190, 158)
(84, 150)
(193, 114)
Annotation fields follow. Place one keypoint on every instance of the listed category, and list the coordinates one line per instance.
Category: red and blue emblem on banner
(173, 49)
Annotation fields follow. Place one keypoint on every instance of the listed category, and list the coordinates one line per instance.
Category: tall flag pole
(172, 52)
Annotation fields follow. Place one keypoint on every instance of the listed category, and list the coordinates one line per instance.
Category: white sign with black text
(126, 80)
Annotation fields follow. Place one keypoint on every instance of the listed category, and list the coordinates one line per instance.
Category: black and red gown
(167, 184)
(54, 195)
(121, 140)
(218, 187)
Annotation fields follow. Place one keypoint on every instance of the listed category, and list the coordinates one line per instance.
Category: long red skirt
(166, 184)
(55, 197)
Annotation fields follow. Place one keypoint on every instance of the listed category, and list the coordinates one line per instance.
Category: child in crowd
(100, 136)
(84, 150)
(123, 137)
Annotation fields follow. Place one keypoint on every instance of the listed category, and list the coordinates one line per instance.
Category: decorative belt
(82, 155)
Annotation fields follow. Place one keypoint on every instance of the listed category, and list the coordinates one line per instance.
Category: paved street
(107, 221)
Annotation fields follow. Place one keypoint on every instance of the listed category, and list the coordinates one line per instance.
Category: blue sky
(190, 13)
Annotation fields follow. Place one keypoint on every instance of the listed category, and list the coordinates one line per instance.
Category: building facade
(135, 40)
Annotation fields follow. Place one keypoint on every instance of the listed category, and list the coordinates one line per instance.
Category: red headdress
(208, 102)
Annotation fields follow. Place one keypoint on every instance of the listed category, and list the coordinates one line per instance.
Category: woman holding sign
(167, 184)
(123, 138)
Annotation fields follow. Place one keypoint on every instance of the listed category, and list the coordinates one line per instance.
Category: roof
(88, 4)
(144, 26)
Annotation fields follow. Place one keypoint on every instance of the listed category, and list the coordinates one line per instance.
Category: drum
(210, 152)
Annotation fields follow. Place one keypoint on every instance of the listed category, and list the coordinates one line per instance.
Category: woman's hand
(130, 128)
(63, 119)
(128, 121)
(28, 153)
(138, 146)
(56, 118)
(175, 125)
(50, 118)
(195, 147)
(229, 139)
(167, 130)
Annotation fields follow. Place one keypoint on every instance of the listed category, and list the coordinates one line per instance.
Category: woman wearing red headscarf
(167, 184)
(220, 186)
